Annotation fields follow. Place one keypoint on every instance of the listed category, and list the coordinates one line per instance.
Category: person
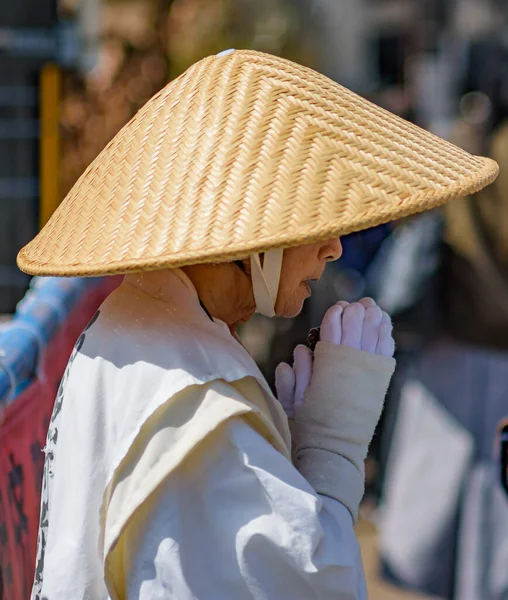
(171, 470)
(444, 520)
(502, 453)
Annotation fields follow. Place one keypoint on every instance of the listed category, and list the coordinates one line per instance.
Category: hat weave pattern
(241, 154)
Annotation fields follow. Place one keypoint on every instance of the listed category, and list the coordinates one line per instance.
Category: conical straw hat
(244, 153)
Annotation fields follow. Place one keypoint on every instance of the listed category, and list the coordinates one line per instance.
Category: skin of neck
(225, 290)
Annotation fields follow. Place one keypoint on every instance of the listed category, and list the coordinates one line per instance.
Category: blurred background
(73, 72)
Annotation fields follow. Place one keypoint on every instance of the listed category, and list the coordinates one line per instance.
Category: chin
(293, 309)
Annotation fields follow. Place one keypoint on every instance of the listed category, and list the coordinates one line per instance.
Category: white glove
(350, 372)
(362, 325)
(292, 382)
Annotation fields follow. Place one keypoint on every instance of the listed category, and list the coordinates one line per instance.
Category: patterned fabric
(151, 341)
(51, 442)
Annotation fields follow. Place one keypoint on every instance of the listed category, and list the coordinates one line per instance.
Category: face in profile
(301, 265)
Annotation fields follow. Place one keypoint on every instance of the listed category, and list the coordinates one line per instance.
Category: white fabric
(266, 279)
(333, 430)
(239, 522)
(439, 449)
(225, 52)
(151, 340)
(180, 428)
(151, 343)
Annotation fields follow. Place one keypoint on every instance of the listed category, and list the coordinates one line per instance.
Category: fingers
(291, 383)
(303, 373)
(371, 326)
(386, 343)
(331, 328)
(342, 303)
(361, 325)
(367, 303)
(285, 381)
(352, 325)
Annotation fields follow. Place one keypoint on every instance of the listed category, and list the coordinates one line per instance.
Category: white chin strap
(265, 280)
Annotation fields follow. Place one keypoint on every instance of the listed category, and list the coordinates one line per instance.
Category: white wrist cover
(333, 430)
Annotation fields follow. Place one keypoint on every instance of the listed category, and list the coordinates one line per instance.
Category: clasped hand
(361, 325)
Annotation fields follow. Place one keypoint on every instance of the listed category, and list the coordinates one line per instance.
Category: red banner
(22, 439)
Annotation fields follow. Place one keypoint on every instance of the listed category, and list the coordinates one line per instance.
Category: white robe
(168, 470)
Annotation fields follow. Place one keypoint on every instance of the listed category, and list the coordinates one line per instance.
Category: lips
(307, 287)
(308, 279)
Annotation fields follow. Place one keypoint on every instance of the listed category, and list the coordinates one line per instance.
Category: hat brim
(242, 154)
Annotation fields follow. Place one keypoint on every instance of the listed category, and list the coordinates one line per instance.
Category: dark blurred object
(359, 249)
(28, 13)
(313, 338)
(475, 261)
(27, 42)
(390, 48)
(503, 457)
(404, 278)
(487, 71)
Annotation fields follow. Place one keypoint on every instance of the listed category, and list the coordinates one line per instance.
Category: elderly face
(301, 265)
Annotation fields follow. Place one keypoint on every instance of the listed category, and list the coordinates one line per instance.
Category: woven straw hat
(243, 153)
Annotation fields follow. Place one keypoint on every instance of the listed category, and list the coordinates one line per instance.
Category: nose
(331, 250)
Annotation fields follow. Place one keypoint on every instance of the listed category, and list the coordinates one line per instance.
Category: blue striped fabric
(45, 307)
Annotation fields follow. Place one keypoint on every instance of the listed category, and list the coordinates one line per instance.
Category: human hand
(361, 325)
(351, 371)
(291, 382)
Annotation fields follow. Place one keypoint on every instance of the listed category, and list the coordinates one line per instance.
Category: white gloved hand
(351, 369)
(292, 382)
(362, 325)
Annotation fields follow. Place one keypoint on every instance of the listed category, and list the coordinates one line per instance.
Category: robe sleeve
(237, 520)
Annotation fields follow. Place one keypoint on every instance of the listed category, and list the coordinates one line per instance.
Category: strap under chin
(265, 280)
